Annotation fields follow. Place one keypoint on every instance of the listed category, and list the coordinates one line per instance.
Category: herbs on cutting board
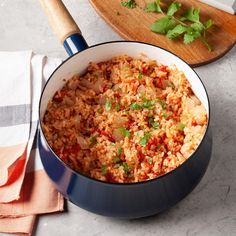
(129, 4)
(187, 26)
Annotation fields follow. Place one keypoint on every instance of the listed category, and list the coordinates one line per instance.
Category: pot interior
(78, 63)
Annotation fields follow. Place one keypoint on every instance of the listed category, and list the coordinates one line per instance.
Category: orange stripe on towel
(8, 157)
(16, 172)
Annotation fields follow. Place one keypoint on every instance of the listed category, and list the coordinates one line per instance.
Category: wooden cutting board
(134, 24)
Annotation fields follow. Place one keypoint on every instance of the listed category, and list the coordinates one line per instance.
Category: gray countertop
(211, 208)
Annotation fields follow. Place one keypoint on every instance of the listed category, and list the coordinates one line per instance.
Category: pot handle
(64, 26)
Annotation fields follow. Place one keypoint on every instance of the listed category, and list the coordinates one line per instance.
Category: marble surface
(211, 208)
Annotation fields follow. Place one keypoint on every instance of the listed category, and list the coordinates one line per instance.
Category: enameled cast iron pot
(113, 199)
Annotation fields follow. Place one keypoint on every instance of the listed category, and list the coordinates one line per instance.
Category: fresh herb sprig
(187, 26)
(129, 4)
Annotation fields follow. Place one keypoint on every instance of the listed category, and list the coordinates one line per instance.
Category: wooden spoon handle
(60, 19)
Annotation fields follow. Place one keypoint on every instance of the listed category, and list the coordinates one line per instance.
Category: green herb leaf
(117, 106)
(162, 103)
(149, 104)
(135, 106)
(176, 32)
(206, 44)
(197, 26)
(158, 147)
(99, 110)
(116, 160)
(129, 4)
(165, 116)
(144, 140)
(153, 7)
(173, 8)
(154, 124)
(163, 25)
(191, 35)
(93, 139)
(191, 14)
(126, 168)
(125, 132)
(170, 84)
(108, 105)
(181, 126)
(140, 76)
(208, 24)
(119, 151)
(104, 170)
(150, 160)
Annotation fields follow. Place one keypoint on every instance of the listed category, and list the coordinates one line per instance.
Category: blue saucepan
(112, 199)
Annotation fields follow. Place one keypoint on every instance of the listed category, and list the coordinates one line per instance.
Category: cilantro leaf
(176, 32)
(173, 8)
(129, 4)
(104, 170)
(150, 160)
(148, 104)
(191, 14)
(180, 126)
(191, 35)
(124, 132)
(144, 140)
(117, 106)
(163, 25)
(162, 103)
(135, 106)
(119, 151)
(208, 24)
(126, 168)
(108, 105)
(93, 139)
(116, 160)
(140, 75)
(197, 26)
(154, 124)
(165, 115)
(153, 7)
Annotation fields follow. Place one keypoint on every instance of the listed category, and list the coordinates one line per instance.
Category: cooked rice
(125, 120)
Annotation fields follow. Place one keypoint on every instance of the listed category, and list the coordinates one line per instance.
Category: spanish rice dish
(125, 120)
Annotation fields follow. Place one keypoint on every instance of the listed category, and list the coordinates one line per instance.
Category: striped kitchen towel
(23, 183)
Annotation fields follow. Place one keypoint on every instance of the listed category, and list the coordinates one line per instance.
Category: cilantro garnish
(153, 7)
(135, 106)
(129, 4)
(93, 139)
(140, 76)
(150, 160)
(104, 170)
(125, 132)
(162, 103)
(154, 124)
(165, 115)
(187, 26)
(126, 168)
(149, 104)
(181, 126)
(117, 106)
(144, 140)
(116, 160)
(108, 105)
(119, 151)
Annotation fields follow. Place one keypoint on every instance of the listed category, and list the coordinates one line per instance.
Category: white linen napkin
(22, 75)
